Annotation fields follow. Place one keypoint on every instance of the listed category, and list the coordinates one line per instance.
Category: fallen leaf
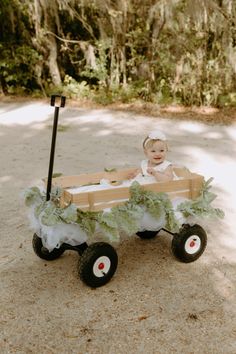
(144, 317)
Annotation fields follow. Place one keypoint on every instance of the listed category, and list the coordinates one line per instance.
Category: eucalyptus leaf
(87, 221)
(109, 219)
(33, 196)
(69, 214)
(108, 225)
(57, 174)
(201, 206)
(39, 209)
(127, 217)
(111, 233)
(49, 216)
(56, 192)
(110, 169)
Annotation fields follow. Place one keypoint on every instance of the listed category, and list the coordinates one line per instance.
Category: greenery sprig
(201, 206)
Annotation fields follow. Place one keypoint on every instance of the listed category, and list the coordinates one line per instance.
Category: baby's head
(155, 147)
(152, 137)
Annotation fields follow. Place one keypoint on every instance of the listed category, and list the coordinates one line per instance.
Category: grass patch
(60, 128)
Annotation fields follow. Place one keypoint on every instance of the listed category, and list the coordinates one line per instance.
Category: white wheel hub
(192, 244)
(102, 266)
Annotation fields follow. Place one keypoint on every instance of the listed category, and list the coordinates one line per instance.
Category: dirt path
(154, 304)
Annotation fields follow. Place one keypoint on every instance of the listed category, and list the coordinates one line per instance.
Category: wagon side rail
(91, 178)
(188, 187)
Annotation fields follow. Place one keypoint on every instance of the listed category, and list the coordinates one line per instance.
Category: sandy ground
(154, 304)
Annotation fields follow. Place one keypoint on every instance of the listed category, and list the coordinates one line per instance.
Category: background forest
(160, 51)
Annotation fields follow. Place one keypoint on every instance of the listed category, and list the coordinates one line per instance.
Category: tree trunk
(52, 61)
(3, 85)
(47, 19)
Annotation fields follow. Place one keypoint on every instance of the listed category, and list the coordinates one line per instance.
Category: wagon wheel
(147, 235)
(97, 264)
(43, 252)
(189, 244)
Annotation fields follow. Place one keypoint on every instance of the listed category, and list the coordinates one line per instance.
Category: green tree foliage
(157, 50)
(17, 56)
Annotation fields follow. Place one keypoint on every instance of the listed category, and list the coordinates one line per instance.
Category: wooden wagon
(188, 185)
(98, 261)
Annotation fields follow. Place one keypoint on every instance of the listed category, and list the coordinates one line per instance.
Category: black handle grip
(54, 101)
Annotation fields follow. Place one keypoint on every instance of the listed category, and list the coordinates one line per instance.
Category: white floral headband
(154, 135)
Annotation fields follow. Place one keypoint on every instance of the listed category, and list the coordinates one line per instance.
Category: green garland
(156, 204)
(201, 206)
(123, 217)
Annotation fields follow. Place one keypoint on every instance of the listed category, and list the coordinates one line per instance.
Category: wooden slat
(119, 175)
(102, 206)
(80, 198)
(107, 195)
(110, 204)
(91, 178)
(196, 185)
(182, 172)
(97, 200)
(170, 186)
(123, 192)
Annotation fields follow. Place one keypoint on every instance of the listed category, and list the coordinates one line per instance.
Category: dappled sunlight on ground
(5, 179)
(192, 127)
(24, 115)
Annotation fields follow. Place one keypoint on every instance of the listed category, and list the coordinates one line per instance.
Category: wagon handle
(57, 101)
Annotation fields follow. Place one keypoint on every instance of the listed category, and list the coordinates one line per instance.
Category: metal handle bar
(54, 103)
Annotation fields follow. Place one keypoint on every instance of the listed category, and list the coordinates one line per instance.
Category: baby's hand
(133, 174)
(151, 171)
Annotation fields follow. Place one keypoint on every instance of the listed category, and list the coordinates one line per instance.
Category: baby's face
(156, 154)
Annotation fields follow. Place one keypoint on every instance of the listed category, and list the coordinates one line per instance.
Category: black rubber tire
(89, 264)
(147, 235)
(42, 252)
(189, 244)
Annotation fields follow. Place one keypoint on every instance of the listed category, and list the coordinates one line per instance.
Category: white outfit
(161, 167)
(145, 177)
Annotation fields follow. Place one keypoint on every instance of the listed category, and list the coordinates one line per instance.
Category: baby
(156, 167)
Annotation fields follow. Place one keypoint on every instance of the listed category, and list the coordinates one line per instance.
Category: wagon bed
(188, 186)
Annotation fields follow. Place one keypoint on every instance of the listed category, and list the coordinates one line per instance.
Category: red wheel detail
(101, 266)
(192, 244)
